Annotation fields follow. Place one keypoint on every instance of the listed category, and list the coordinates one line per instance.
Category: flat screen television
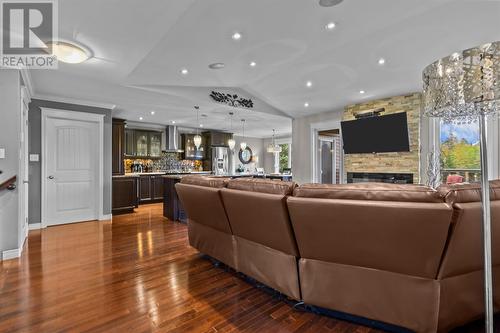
(378, 134)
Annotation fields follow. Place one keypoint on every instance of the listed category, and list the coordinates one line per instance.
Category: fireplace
(379, 177)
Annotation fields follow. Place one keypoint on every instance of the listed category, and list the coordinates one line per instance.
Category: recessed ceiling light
(201, 125)
(306, 104)
(236, 36)
(217, 65)
(184, 71)
(361, 91)
(253, 64)
(152, 113)
(173, 121)
(140, 118)
(309, 84)
(330, 26)
(381, 61)
(329, 3)
(70, 53)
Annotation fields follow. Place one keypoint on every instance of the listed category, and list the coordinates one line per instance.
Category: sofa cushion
(465, 192)
(262, 186)
(370, 191)
(215, 182)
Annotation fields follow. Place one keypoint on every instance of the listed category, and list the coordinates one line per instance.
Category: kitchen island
(132, 189)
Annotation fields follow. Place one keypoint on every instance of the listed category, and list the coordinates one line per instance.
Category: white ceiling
(140, 47)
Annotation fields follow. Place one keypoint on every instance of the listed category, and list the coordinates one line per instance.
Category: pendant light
(231, 143)
(197, 137)
(273, 147)
(243, 144)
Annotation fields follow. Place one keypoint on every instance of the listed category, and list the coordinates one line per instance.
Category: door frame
(23, 180)
(315, 128)
(76, 116)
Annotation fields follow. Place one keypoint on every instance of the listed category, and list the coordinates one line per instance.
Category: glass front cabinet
(141, 143)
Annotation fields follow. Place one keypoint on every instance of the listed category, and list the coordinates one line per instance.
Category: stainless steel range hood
(173, 140)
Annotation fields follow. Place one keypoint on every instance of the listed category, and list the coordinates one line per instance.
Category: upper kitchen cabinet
(217, 139)
(190, 150)
(142, 143)
(118, 146)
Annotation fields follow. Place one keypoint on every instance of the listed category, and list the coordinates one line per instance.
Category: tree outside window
(460, 153)
(284, 156)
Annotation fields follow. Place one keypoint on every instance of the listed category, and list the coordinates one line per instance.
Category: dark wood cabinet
(124, 194)
(150, 188)
(190, 150)
(217, 139)
(157, 187)
(142, 143)
(118, 146)
(145, 189)
(172, 206)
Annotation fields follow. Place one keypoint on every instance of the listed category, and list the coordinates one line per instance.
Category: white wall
(10, 113)
(257, 146)
(302, 143)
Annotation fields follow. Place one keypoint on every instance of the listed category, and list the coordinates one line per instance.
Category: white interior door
(71, 171)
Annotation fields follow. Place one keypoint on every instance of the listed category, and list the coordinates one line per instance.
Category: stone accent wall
(403, 162)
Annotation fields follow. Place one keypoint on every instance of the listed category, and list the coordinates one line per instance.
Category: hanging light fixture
(231, 143)
(197, 137)
(273, 147)
(243, 144)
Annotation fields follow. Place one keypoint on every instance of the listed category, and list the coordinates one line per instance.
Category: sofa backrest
(398, 228)
(258, 212)
(465, 246)
(202, 201)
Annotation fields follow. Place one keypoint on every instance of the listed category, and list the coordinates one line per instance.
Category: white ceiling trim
(74, 101)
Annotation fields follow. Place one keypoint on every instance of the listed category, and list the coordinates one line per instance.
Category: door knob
(50, 177)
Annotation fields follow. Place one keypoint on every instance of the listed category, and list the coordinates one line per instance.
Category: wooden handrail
(8, 184)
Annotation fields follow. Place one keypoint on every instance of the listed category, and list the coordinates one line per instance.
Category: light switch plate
(34, 157)
(2, 153)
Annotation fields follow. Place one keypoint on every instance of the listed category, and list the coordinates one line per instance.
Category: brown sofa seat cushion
(370, 191)
(262, 186)
(462, 193)
(215, 182)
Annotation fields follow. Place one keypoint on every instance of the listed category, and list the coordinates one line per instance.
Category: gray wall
(302, 143)
(257, 146)
(35, 147)
(9, 140)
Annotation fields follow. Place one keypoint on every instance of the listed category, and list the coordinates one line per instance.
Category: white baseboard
(106, 217)
(11, 254)
(34, 226)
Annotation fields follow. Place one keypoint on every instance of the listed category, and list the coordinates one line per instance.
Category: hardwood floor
(137, 274)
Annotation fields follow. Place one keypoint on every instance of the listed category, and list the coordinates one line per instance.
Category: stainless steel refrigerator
(220, 160)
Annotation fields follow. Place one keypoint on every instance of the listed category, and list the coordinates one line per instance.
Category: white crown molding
(11, 254)
(70, 100)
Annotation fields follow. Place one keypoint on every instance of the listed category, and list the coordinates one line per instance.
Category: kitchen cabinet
(217, 139)
(190, 150)
(142, 143)
(118, 146)
(125, 196)
(150, 188)
(172, 206)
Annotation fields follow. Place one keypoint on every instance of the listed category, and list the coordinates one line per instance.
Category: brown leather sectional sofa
(406, 255)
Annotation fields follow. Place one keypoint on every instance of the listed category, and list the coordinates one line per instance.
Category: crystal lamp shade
(273, 148)
(197, 141)
(243, 145)
(464, 85)
(231, 143)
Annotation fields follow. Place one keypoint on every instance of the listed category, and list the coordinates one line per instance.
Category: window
(284, 157)
(460, 151)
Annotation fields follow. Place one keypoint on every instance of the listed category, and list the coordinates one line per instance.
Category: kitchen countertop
(161, 173)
